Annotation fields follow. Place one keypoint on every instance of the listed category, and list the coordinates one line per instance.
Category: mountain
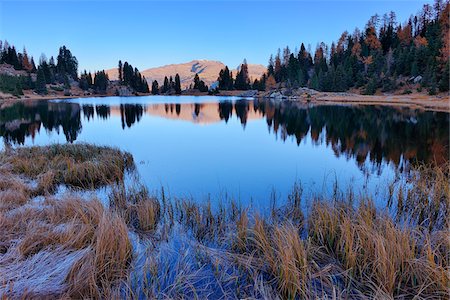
(207, 70)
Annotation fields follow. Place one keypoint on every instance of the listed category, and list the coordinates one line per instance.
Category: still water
(245, 149)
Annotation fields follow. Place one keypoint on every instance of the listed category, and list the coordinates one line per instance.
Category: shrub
(11, 84)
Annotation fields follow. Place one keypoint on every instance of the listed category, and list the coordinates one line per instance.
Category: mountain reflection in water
(380, 133)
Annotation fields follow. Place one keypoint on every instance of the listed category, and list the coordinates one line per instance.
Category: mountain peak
(207, 70)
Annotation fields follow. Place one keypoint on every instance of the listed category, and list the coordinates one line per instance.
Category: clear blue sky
(154, 33)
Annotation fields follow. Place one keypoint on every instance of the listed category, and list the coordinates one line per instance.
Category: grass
(140, 246)
(89, 242)
(81, 165)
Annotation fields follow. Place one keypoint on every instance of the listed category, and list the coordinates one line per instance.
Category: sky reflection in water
(245, 149)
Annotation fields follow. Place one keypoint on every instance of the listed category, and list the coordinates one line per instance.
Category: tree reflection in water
(379, 133)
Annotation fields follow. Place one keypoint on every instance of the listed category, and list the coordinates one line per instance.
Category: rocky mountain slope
(208, 71)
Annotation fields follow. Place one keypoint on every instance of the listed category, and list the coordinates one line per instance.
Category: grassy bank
(138, 245)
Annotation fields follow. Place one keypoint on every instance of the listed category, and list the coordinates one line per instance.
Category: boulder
(276, 95)
(418, 79)
(250, 93)
(124, 91)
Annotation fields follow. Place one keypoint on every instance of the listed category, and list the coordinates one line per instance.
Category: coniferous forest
(322, 173)
(383, 56)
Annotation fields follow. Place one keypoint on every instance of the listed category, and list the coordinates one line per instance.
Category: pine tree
(33, 66)
(67, 63)
(196, 81)
(165, 87)
(83, 82)
(120, 71)
(177, 84)
(155, 87)
(242, 81)
(40, 82)
(225, 80)
(101, 82)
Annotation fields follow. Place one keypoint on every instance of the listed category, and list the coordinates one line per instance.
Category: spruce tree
(177, 84)
(155, 87)
(120, 70)
(165, 87)
(242, 81)
(40, 82)
(225, 80)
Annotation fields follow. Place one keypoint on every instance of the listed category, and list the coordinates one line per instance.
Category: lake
(246, 149)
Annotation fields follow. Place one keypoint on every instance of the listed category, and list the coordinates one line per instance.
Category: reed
(67, 246)
(80, 165)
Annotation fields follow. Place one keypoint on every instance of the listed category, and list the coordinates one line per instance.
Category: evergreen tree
(177, 84)
(196, 81)
(165, 88)
(33, 66)
(155, 87)
(66, 82)
(242, 81)
(40, 82)
(199, 84)
(101, 82)
(133, 78)
(373, 58)
(120, 71)
(67, 63)
(84, 81)
(225, 79)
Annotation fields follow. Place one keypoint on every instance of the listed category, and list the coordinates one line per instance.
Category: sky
(155, 33)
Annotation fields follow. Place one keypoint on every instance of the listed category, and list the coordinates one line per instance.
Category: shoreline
(436, 105)
(439, 103)
(133, 242)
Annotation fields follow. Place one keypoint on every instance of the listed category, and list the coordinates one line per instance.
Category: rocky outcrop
(9, 70)
(288, 93)
(250, 93)
(124, 91)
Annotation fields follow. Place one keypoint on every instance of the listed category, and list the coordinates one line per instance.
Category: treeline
(385, 55)
(60, 74)
(131, 77)
(170, 86)
(99, 83)
(241, 82)
(20, 61)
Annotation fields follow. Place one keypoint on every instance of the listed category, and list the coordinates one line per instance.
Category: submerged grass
(142, 247)
(77, 165)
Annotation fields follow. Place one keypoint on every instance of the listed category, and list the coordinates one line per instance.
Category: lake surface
(244, 149)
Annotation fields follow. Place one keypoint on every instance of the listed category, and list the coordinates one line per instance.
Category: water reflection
(23, 120)
(378, 133)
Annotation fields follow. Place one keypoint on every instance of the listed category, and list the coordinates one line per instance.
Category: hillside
(207, 70)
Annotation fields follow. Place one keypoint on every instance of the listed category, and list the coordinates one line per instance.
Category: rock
(418, 79)
(250, 93)
(276, 95)
(124, 91)
(286, 92)
(308, 91)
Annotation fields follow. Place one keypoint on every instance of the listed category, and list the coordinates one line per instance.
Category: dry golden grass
(427, 202)
(136, 206)
(77, 248)
(90, 242)
(80, 165)
(147, 213)
(380, 256)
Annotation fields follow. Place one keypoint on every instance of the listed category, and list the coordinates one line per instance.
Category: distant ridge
(207, 70)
